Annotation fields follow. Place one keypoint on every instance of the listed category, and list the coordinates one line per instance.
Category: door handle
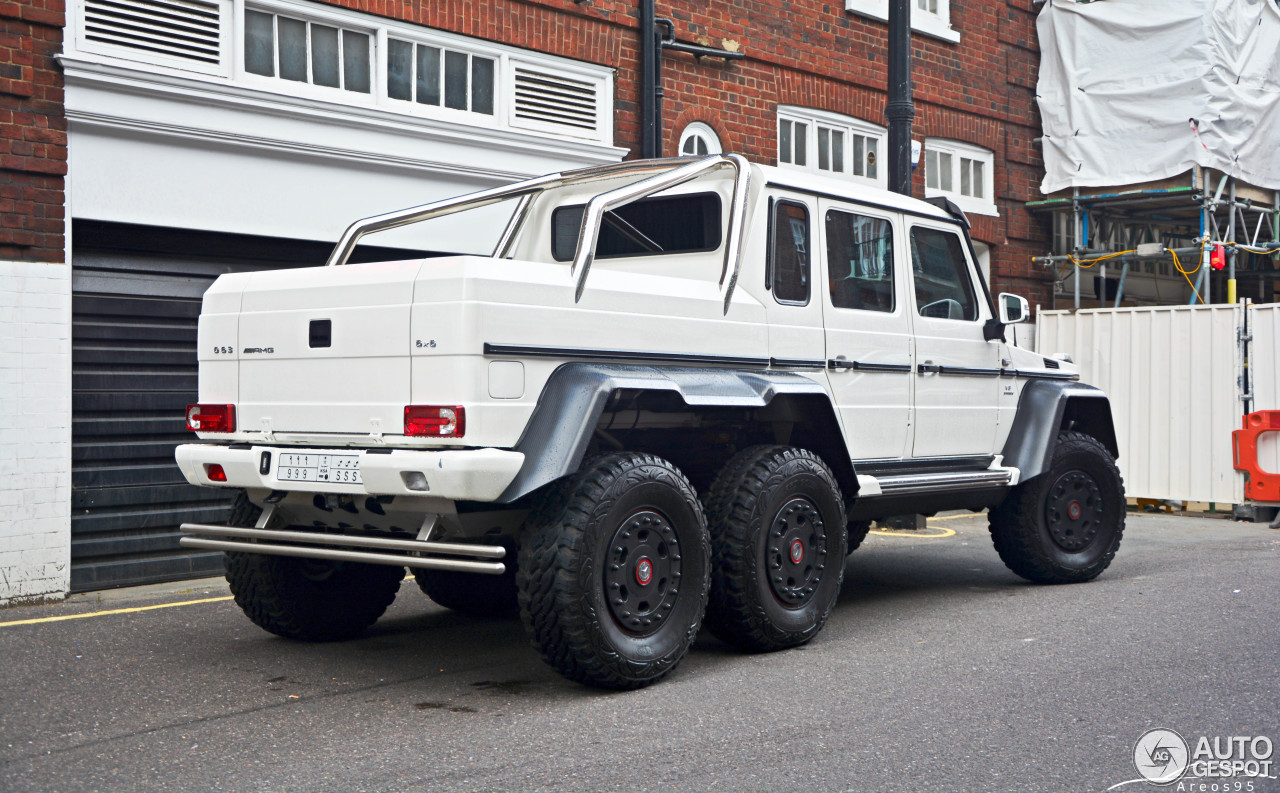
(839, 364)
(929, 367)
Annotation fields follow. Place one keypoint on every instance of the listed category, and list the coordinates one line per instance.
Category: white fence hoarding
(1173, 377)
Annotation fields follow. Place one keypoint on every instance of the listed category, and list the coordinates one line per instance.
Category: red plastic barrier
(1260, 485)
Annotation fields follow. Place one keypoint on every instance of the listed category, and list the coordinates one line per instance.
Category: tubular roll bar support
(678, 171)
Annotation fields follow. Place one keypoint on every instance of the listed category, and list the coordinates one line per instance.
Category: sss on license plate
(339, 468)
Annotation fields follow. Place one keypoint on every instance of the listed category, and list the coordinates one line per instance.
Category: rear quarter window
(648, 227)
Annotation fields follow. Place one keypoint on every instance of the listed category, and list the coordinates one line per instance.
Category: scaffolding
(1191, 239)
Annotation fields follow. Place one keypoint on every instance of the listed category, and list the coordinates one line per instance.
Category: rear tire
(778, 534)
(307, 599)
(474, 594)
(1063, 526)
(613, 571)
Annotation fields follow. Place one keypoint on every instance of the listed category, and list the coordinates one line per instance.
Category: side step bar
(903, 484)
(252, 541)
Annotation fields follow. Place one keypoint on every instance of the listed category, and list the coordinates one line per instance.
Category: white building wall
(35, 431)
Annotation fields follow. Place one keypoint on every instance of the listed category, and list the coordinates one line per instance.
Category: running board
(905, 484)
(397, 553)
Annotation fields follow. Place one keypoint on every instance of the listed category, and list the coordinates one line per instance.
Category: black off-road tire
(307, 599)
(1064, 526)
(595, 611)
(778, 535)
(474, 594)
(858, 531)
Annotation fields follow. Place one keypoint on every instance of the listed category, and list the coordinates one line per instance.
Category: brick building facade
(188, 159)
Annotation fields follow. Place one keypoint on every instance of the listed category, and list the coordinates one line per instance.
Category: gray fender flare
(574, 398)
(1047, 407)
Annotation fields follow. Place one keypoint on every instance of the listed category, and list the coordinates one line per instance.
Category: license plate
(338, 468)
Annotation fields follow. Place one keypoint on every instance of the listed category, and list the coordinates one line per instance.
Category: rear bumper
(459, 475)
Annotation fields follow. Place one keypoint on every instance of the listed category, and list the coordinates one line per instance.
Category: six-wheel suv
(665, 394)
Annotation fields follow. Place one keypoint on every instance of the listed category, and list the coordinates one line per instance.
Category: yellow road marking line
(917, 533)
(113, 611)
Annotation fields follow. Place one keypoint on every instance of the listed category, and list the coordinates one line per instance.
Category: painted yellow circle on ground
(931, 533)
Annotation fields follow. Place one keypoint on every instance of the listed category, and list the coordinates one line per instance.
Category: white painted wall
(35, 431)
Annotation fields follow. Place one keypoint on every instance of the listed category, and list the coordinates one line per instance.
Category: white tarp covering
(1139, 90)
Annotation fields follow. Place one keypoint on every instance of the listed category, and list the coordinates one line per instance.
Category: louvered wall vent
(187, 29)
(552, 99)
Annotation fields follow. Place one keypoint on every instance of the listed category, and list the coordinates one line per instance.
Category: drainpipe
(649, 130)
(900, 110)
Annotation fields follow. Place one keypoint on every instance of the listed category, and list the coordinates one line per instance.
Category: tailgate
(326, 349)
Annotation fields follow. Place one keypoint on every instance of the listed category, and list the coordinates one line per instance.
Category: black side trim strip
(969, 371)
(1043, 375)
(864, 366)
(796, 363)
(621, 355)
(863, 202)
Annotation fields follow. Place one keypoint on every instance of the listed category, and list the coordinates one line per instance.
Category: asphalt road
(939, 670)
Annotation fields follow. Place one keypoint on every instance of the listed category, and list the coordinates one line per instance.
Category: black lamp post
(900, 109)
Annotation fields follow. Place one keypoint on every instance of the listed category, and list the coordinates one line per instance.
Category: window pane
(802, 138)
(648, 227)
(324, 55)
(259, 44)
(859, 155)
(944, 289)
(689, 147)
(482, 85)
(860, 261)
(837, 151)
(944, 171)
(931, 169)
(292, 35)
(455, 80)
(702, 145)
(873, 145)
(979, 180)
(966, 186)
(824, 149)
(428, 75)
(399, 69)
(784, 141)
(790, 254)
(355, 61)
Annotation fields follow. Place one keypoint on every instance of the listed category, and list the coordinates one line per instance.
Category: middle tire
(613, 571)
(778, 538)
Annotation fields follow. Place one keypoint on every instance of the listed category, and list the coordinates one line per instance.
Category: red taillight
(211, 418)
(215, 472)
(434, 421)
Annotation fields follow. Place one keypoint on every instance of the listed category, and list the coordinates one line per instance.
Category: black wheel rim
(1074, 510)
(642, 572)
(796, 552)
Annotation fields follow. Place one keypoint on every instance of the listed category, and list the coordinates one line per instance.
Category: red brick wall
(33, 131)
(810, 53)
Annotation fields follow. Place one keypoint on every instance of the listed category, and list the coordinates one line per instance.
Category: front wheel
(613, 572)
(1065, 525)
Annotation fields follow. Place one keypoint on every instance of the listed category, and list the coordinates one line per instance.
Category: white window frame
(936, 24)
(699, 130)
(311, 13)
(959, 151)
(849, 127)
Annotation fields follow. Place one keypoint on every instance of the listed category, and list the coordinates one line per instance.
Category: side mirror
(1013, 308)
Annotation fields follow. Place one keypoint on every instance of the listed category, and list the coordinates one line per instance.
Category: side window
(859, 261)
(944, 289)
(789, 253)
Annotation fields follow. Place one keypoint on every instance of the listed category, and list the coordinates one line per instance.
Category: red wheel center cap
(644, 572)
(797, 552)
(1073, 510)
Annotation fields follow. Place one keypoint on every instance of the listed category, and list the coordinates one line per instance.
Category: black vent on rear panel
(321, 334)
(1049, 363)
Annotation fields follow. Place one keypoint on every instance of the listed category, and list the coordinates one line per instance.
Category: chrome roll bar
(677, 172)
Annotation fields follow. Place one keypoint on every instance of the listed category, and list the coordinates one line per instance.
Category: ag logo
(1161, 756)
